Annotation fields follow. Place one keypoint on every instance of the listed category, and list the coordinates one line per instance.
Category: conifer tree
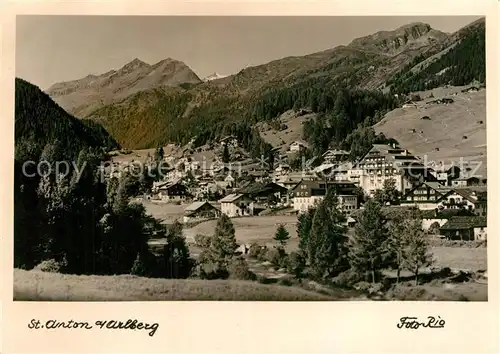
(304, 224)
(225, 154)
(416, 252)
(281, 236)
(368, 248)
(178, 263)
(397, 242)
(223, 243)
(327, 240)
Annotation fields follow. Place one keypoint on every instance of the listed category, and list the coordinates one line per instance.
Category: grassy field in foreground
(40, 286)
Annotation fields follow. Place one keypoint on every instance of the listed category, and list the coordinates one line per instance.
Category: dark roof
(464, 222)
(441, 214)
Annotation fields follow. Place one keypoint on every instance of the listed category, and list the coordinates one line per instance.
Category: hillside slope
(39, 121)
(453, 131)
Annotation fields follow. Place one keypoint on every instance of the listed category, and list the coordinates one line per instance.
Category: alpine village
(356, 173)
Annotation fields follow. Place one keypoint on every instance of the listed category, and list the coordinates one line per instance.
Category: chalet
(465, 228)
(463, 198)
(298, 146)
(426, 195)
(292, 179)
(237, 204)
(172, 191)
(200, 211)
(332, 156)
(466, 182)
(307, 194)
(385, 162)
(264, 192)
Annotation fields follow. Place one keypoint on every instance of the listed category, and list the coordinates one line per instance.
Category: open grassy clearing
(446, 128)
(167, 212)
(259, 229)
(461, 257)
(40, 286)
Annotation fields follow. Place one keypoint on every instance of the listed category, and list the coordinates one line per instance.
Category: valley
(269, 184)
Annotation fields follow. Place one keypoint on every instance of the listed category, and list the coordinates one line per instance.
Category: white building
(234, 205)
(298, 146)
(385, 162)
(308, 194)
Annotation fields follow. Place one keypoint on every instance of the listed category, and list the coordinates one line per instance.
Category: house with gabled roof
(171, 191)
(334, 156)
(466, 228)
(307, 194)
(237, 204)
(201, 210)
(433, 195)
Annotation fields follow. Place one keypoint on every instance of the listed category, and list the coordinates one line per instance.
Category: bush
(210, 270)
(348, 278)
(262, 256)
(296, 264)
(415, 97)
(51, 266)
(238, 269)
(285, 282)
(255, 250)
(139, 268)
(434, 228)
(277, 256)
(202, 241)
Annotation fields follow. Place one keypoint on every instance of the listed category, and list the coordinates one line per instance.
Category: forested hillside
(413, 57)
(70, 218)
(39, 121)
(461, 65)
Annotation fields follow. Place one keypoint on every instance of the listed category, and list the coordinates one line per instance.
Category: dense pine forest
(461, 65)
(74, 220)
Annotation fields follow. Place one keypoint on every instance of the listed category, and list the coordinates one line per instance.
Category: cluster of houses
(456, 202)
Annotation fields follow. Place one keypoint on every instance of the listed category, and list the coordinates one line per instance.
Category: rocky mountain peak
(409, 36)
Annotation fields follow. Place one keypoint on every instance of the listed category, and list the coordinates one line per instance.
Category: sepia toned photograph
(211, 158)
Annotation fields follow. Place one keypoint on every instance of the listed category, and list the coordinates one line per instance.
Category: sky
(52, 49)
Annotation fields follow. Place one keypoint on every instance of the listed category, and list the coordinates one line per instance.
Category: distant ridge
(82, 96)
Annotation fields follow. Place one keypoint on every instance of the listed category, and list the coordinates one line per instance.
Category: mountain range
(142, 105)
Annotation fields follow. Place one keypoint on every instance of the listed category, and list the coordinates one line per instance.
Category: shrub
(434, 228)
(277, 256)
(139, 267)
(202, 241)
(255, 250)
(415, 97)
(296, 264)
(51, 266)
(348, 278)
(238, 269)
(285, 282)
(262, 256)
(211, 270)
(426, 118)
